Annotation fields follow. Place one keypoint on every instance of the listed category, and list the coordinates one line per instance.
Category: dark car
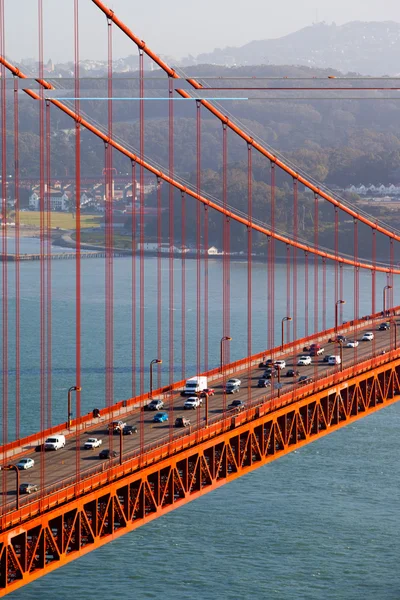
(269, 373)
(292, 373)
(107, 453)
(154, 405)
(306, 348)
(266, 363)
(263, 383)
(305, 379)
(28, 488)
(237, 405)
(384, 326)
(129, 430)
(182, 422)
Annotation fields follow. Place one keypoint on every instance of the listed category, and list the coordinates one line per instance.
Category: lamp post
(155, 361)
(341, 354)
(226, 338)
(206, 407)
(15, 468)
(283, 330)
(336, 313)
(394, 324)
(120, 445)
(387, 287)
(74, 388)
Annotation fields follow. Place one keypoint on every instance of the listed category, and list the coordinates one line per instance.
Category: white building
(59, 201)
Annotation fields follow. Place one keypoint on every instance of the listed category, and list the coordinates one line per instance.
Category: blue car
(160, 417)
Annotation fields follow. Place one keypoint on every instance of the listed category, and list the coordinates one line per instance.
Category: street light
(283, 332)
(393, 322)
(155, 361)
(14, 468)
(387, 287)
(341, 354)
(206, 406)
(74, 388)
(226, 338)
(336, 313)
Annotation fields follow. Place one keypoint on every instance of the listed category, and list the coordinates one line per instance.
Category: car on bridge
(92, 443)
(304, 361)
(237, 405)
(116, 426)
(129, 430)
(160, 417)
(232, 386)
(269, 373)
(182, 422)
(280, 364)
(367, 337)
(263, 383)
(292, 373)
(154, 405)
(25, 463)
(28, 488)
(193, 402)
(266, 363)
(207, 391)
(384, 327)
(107, 453)
(305, 379)
(352, 344)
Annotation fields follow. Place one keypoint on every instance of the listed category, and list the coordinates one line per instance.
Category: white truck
(194, 385)
(55, 442)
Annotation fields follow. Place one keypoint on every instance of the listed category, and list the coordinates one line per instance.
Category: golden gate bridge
(76, 509)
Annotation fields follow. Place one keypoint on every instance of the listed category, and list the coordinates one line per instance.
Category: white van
(334, 359)
(55, 442)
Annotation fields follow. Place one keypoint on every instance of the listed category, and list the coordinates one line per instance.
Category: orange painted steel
(224, 119)
(86, 516)
(199, 197)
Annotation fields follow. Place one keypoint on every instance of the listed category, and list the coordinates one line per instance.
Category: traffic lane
(61, 465)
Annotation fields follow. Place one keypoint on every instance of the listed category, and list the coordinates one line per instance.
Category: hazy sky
(175, 27)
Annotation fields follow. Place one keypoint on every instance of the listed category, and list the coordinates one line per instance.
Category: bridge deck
(60, 466)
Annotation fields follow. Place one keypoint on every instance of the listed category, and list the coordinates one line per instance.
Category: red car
(209, 391)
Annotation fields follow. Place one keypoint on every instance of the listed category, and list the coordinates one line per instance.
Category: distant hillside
(367, 48)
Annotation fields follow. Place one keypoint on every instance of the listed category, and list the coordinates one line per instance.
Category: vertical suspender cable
(206, 361)
(133, 278)
(356, 282)
(249, 263)
(306, 294)
(225, 288)
(141, 219)
(316, 264)
(171, 239)
(198, 238)
(17, 266)
(78, 235)
(183, 288)
(109, 233)
(373, 273)
(271, 266)
(324, 294)
(48, 257)
(159, 279)
(42, 247)
(295, 236)
(4, 242)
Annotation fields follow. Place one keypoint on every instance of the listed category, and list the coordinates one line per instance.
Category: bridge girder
(252, 439)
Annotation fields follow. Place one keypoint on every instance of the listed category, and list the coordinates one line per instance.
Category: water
(319, 523)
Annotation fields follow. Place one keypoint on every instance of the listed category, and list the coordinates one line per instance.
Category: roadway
(62, 464)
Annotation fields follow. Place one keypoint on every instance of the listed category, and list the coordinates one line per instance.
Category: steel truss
(60, 535)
